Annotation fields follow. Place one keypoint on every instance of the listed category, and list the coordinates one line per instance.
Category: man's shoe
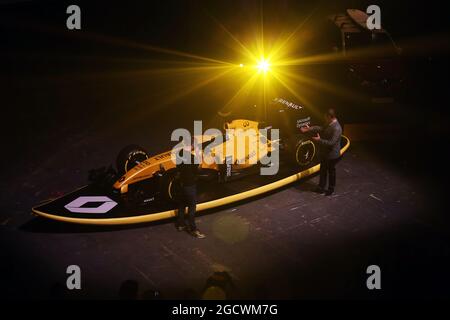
(181, 228)
(197, 234)
(329, 192)
(319, 190)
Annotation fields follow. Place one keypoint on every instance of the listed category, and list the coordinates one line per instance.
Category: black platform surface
(124, 207)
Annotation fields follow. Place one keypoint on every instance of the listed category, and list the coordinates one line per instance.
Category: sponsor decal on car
(303, 122)
(288, 103)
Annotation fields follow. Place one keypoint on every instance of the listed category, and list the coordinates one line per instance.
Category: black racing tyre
(129, 157)
(304, 152)
(170, 186)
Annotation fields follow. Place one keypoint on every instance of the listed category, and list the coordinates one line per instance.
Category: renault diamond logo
(105, 205)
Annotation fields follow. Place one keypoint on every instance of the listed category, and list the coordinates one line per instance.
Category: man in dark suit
(188, 171)
(329, 140)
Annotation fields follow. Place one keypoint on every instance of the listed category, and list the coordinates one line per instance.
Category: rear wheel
(305, 152)
(129, 157)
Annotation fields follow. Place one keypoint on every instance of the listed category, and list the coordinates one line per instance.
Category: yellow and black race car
(144, 188)
(136, 166)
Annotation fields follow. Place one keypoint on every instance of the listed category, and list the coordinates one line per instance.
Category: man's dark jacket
(188, 173)
(330, 140)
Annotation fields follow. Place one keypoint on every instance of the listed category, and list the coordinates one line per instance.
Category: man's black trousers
(328, 170)
(188, 199)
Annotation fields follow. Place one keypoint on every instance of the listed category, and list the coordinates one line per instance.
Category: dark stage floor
(71, 101)
(290, 244)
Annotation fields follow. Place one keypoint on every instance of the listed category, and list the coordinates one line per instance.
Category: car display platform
(97, 205)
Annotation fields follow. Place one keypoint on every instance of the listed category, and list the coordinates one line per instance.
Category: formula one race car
(145, 188)
(139, 171)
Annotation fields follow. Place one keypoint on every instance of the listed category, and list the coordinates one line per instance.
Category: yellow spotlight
(241, 65)
(263, 65)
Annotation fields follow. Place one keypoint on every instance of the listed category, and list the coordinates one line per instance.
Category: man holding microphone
(328, 138)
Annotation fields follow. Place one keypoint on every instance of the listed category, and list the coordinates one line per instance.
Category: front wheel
(170, 186)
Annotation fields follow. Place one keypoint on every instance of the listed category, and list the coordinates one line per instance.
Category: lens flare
(263, 65)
